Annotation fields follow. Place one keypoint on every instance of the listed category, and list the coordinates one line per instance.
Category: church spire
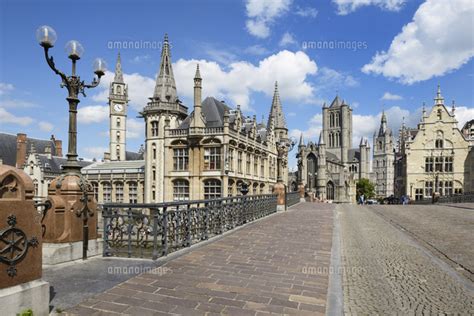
(383, 124)
(165, 88)
(439, 98)
(301, 143)
(118, 70)
(276, 117)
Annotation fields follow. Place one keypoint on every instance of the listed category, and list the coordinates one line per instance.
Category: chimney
(20, 150)
(59, 147)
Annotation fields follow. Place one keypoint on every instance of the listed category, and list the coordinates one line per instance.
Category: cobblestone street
(277, 265)
(386, 272)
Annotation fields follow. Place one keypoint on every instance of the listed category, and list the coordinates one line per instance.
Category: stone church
(330, 168)
(208, 153)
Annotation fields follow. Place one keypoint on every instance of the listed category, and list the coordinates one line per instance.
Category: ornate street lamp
(46, 37)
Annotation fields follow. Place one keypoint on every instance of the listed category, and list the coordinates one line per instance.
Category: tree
(365, 187)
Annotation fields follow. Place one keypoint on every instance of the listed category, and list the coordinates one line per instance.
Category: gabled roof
(8, 147)
(337, 102)
(54, 164)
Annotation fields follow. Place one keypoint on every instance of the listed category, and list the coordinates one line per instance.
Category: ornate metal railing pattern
(154, 230)
(292, 198)
(458, 198)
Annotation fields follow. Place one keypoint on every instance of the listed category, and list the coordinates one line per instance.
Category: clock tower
(118, 101)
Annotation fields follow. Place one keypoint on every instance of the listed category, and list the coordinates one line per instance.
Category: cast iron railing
(458, 198)
(292, 198)
(154, 230)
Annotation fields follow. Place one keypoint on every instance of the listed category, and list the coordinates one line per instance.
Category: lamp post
(46, 37)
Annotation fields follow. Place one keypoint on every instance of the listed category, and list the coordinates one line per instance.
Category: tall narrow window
(428, 188)
(153, 173)
(180, 159)
(448, 164)
(247, 164)
(262, 167)
(154, 128)
(119, 192)
(230, 159)
(255, 166)
(95, 190)
(439, 143)
(107, 192)
(440, 114)
(439, 164)
(239, 161)
(212, 158)
(429, 164)
(212, 189)
(153, 151)
(118, 121)
(180, 190)
(132, 192)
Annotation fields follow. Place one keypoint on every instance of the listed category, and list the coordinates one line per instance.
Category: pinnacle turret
(165, 87)
(276, 118)
(439, 98)
(118, 70)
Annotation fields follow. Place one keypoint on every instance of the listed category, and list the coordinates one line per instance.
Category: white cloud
(307, 12)
(96, 152)
(331, 79)
(262, 13)
(391, 97)
(463, 114)
(45, 126)
(135, 128)
(438, 40)
(15, 103)
(242, 78)
(7, 117)
(140, 59)
(92, 114)
(312, 132)
(256, 50)
(5, 88)
(287, 39)
(140, 88)
(347, 6)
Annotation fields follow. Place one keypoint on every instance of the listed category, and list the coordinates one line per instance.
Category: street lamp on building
(46, 37)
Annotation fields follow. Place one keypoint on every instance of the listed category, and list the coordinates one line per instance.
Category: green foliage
(28, 312)
(365, 187)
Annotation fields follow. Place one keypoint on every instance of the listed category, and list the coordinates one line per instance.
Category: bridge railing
(292, 198)
(154, 230)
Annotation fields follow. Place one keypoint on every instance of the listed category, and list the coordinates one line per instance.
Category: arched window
(118, 137)
(154, 128)
(153, 173)
(312, 167)
(180, 190)
(119, 89)
(330, 191)
(107, 192)
(331, 120)
(153, 151)
(212, 189)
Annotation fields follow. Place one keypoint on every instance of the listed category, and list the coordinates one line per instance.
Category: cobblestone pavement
(385, 272)
(448, 232)
(277, 265)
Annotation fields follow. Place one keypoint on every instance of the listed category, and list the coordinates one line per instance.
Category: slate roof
(353, 154)
(8, 147)
(115, 167)
(54, 164)
(212, 111)
(130, 155)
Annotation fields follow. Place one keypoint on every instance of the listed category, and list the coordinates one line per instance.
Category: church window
(212, 158)
(212, 189)
(107, 192)
(119, 192)
(439, 143)
(180, 159)
(132, 192)
(180, 190)
(154, 128)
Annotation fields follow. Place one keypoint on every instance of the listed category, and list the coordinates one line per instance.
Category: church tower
(164, 111)
(337, 128)
(118, 102)
(383, 161)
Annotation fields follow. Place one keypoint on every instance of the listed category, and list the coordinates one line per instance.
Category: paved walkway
(279, 265)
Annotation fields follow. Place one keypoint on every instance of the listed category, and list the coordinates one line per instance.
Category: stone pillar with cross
(21, 286)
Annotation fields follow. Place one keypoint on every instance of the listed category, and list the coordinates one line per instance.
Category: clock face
(118, 107)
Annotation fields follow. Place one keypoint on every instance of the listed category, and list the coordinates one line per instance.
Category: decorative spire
(453, 108)
(321, 139)
(276, 118)
(439, 98)
(383, 124)
(118, 70)
(165, 88)
(198, 73)
(301, 143)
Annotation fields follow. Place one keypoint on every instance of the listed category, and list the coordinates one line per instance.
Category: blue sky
(404, 48)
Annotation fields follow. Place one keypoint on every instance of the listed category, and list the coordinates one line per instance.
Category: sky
(375, 54)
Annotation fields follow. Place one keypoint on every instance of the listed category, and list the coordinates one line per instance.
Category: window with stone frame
(448, 188)
(439, 164)
(153, 151)
(95, 190)
(212, 189)
(180, 159)
(439, 143)
(107, 192)
(212, 158)
(118, 122)
(262, 167)
(133, 192)
(180, 190)
(255, 166)
(247, 164)
(429, 164)
(230, 159)
(418, 194)
(154, 128)
(239, 161)
(428, 188)
(119, 192)
(230, 188)
(448, 164)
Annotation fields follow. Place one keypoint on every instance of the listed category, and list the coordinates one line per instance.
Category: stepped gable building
(205, 154)
(330, 168)
(383, 160)
(434, 157)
